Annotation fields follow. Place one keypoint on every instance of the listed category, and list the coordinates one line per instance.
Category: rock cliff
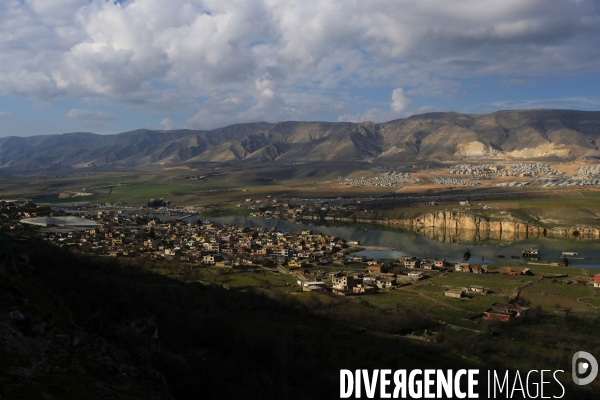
(463, 227)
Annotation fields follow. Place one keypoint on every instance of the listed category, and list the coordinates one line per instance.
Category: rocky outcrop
(457, 227)
(464, 227)
(471, 227)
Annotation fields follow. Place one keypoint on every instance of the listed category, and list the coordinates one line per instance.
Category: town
(318, 263)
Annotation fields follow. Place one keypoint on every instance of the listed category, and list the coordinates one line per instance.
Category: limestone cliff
(452, 226)
(463, 227)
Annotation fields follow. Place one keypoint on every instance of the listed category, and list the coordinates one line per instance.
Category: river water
(409, 243)
(399, 242)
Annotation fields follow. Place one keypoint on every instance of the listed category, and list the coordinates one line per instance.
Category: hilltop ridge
(439, 136)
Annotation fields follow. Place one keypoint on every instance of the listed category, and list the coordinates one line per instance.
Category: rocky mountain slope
(522, 134)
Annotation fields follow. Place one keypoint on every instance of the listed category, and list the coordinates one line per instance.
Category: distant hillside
(435, 136)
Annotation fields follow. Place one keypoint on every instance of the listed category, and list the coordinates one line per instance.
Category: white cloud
(166, 125)
(399, 100)
(266, 105)
(273, 55)
(215, 114)
(87, 115)
(397, 110)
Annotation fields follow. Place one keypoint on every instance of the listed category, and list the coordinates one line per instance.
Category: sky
(113, 66)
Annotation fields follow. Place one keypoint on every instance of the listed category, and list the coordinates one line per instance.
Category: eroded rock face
(458, 227)
(449, 220)
(463, 227)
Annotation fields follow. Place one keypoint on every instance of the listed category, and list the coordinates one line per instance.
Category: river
(399, 242)
(409, 243)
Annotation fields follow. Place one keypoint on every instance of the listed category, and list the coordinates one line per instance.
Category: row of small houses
(497, 312)
(484, 269)
(416, 263)
(354, 285)
(17, 209)
(344, 284)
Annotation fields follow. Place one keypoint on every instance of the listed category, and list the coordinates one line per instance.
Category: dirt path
(437, 302)
(581, 300)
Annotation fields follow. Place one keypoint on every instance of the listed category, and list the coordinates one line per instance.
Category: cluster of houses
(589, 170)
(476, 170)
(518, 170)
(376, 276)
(530, 169)
(551, 182)
(453, 181)
(200, 244)
(388, 179)
(542, 172)
(203, 244)
(17, 209)
(484, 269)
(282, 210)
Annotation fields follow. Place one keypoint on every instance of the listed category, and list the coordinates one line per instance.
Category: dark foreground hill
(74, 326)
(525, 134)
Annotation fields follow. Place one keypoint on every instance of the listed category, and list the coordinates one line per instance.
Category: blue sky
(106, 67)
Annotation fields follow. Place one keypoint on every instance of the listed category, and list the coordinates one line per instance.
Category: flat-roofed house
(415, 263)
(454, 293)
(364, 289)
(343, 282)
(505, 312)
(377, 268)
(462, 267)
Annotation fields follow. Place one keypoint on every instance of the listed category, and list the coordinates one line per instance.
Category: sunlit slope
(513, 135)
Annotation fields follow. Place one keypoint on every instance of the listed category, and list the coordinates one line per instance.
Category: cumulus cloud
(230, 61)
(88, 115)
(266, 105)
(399, 100)
(166, 124)
(214, 114)
(397, 110)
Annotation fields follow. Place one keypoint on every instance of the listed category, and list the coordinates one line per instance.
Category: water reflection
(453, 235)
(450, 245)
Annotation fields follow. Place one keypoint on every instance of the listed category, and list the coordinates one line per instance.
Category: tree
(467, 255)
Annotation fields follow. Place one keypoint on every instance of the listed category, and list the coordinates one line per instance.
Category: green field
(427, 297)
(559, 288)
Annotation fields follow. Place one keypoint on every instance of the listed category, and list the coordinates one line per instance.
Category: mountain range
(440, 136)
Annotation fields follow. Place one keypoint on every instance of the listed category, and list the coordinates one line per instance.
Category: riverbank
(411, 243)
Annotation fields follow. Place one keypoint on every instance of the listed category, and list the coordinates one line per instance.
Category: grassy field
(310, 180)
(427, 297)
(559, 288)
(549, 269)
